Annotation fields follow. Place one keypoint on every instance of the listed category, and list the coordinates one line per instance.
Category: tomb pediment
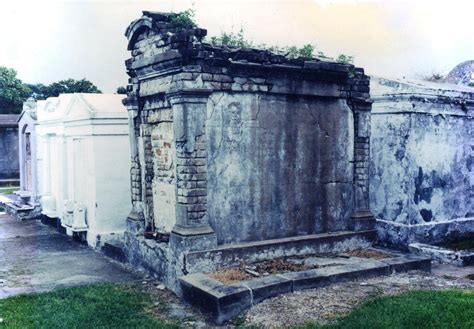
(72, 107)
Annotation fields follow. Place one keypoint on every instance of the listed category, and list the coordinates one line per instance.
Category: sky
(47, 41)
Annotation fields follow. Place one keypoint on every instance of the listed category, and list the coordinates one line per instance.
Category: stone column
(192, 230)
(136, 219)
(362, 217)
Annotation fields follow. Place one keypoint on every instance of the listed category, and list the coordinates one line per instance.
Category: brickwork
(193, 103)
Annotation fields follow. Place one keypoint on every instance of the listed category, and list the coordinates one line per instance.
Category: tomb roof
(67, 107)
(9, 120)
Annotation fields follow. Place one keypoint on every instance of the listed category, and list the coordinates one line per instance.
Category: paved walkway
(35, 257)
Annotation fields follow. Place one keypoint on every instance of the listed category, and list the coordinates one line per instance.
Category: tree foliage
(121, 90)
(69, 86)
(12, 91)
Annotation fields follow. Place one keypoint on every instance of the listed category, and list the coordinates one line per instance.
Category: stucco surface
(9, 163)
(422, 158)
(278, 167)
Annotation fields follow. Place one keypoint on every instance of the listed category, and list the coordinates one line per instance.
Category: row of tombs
(219, 154)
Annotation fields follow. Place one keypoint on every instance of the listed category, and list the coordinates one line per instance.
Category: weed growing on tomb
(239, 40)
(184, 19)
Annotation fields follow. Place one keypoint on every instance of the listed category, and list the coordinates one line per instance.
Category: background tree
(69, 86)
(12, 91)
(121, 90)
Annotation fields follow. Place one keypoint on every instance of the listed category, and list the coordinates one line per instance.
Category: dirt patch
(231, 275)
(368, 253)
(282, 265)
(248, 272)
(167, 306)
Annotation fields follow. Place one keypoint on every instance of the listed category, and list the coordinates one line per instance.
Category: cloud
(49, 41)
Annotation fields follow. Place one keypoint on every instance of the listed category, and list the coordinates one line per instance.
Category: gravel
(325, 304)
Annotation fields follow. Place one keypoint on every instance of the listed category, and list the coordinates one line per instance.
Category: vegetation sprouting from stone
(231, 39)
(239, 40)
(433, 77)
(345, 59)
(184, 19)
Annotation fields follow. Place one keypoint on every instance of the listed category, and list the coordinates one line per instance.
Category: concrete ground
(35, 257)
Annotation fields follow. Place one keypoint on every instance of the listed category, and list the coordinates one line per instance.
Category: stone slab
(234, 254)
(327, 275)
(221, 301)
(36, 258)
(114, 250)
(266, 287)
(443, 255)
(224, 302)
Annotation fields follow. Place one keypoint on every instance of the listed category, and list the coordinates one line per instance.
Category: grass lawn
(96, 306)
(121, 306)
(8, 190)
(416, 309)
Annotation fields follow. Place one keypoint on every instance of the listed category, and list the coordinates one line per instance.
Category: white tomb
(83, 163)
(26, 206)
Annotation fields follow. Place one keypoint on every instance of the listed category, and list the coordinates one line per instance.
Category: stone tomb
(9, 167)
(27, 205)
(422, 161)
(83, 165)
(241, 154)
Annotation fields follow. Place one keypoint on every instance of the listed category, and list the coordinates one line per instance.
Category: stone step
(223, 302)
(115, 250)
(443, 255)
(234, 254)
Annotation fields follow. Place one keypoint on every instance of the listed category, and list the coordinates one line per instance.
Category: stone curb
(224, 302)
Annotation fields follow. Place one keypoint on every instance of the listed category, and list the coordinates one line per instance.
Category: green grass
(416, 309)
(95, 306)
(8, 190)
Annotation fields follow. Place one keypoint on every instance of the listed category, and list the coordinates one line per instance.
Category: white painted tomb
(83, 164)
(27, 152)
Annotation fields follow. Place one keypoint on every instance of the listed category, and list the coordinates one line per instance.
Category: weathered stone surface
(9, 163)
(223, 302)
(232, 145)
(297, 175)
(266, 287)
(327, 275)
(226, 301)
(236, 253)
(462, 74)
(443, 255)
(36, 258)
(422, 173)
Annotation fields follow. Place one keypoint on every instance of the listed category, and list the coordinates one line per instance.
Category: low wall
(422, 161)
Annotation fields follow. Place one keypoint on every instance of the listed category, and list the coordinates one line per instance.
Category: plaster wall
(85, 159)
(278, 166)
(422, 164)
(9, 163)
(27, 154)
